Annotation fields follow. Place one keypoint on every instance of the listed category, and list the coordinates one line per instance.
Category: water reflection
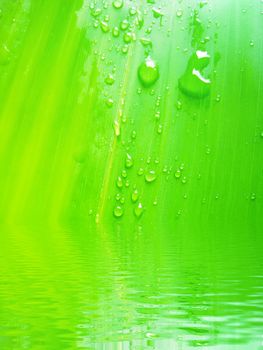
(88, 289)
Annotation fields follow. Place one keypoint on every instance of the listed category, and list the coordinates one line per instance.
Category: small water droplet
(124, 24)
(104, 26)
(177, 174)
(119, 182)
(135, 196)
(109, 80)
(118, 211)
(148, 72)
(138, 210)
(124, 173)
(115, 32)
(140, 171)
(132, 11)
(184, 180)
(133, 134)
(117, 4)
(128, 161)
(125, 49)
(179, 13)
(109, 102)
(150, 176)
(160, 129)
(117, 128)
(253, 196)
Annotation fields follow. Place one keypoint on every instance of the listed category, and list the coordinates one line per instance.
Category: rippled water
(123, 290)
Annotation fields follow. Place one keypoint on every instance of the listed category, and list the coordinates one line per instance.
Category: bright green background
(187, 272)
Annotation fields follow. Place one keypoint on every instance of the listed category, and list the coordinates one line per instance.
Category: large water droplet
(193, 83)
(148, 72)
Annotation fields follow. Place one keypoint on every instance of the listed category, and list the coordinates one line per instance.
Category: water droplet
(177, 174)
(178, 105)
(109, 80)
(160, 129)
(261, 135)
(140, 171)
(128, 161)
(122, 200)
(179, 13)
(132, 11)
(138, 210)
(118, 196)
(253, 196)
(124, 24)
(184, 180)
(135, 196)
(157, 12)
(128, 37)
(119, 182)
(117, 128)
(124, 173)
(104, 26)
(109, 102)
(133, 134)
(193, 83)
(146, 42)
(150, 176)
(115, 32)
(96, 12)
(117, 4)
(125, 49)
(148, 72)
(118, 211)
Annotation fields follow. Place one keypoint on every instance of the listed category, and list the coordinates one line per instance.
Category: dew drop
(177, 174)
(193, 83)
(138, 210)
(124, 24)
(179, 13)
(253, 196)
(140, 171)
(118, 211)
(115, 32)
(119, 182)
(117, 128)
(117, 4)
(104, 26)
(135, 196)
(109, 102)
(148, 72)
(124, 173)
(128, 161)
(109, 80)
(150, 176)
